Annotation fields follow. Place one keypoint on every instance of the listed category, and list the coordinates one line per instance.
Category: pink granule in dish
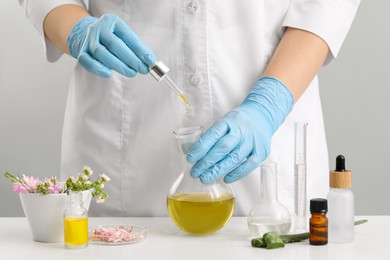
(113, 234)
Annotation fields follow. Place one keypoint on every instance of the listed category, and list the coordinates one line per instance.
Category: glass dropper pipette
(159, 71)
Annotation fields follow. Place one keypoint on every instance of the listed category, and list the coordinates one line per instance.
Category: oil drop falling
(184, 99)
(187, 103)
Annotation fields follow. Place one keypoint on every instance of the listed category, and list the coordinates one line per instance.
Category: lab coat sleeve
(36, 11)
(329, 19)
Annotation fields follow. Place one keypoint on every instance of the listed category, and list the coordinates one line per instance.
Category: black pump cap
(340, 163)
(318, 205)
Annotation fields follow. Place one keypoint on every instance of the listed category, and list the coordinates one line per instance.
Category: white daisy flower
(100, 200)
(87, 170)
(105, 177)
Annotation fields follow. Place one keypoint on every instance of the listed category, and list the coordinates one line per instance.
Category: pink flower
(26, 184)
(18, 187)
(31, 183)
(53, 188)
(56, 188)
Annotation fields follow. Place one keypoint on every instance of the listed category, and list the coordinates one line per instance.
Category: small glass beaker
(195, 207)
(268, 214)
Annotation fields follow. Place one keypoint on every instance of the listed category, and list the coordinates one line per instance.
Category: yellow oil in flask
(200, 213)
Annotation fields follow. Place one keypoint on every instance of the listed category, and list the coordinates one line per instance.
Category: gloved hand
(106, 44)
(241, 140)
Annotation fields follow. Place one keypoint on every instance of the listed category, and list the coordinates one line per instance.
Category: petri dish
(117, 234)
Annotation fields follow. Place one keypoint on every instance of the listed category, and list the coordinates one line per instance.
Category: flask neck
(75, 207)
(268, 182)
(185, 139)
(76, 199)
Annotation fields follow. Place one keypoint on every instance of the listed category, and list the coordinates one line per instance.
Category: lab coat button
(193, 7)
(196, 79)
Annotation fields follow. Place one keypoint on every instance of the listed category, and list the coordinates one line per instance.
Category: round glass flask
(268, 214)
(195, 207)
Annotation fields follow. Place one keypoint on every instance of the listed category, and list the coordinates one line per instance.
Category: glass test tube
(300, 176)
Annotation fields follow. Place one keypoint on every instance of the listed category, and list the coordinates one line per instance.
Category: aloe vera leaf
(258, 242)
(272, 240)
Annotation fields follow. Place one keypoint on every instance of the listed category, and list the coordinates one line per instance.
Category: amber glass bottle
(318, 222)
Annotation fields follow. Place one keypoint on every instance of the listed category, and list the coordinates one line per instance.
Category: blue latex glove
(241, 140)
(106, 44)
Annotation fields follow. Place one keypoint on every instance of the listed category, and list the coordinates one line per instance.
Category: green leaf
(272, 240)
(11, 177)
(258, 242)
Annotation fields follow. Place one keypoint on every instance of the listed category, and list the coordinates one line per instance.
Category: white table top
(166, 241)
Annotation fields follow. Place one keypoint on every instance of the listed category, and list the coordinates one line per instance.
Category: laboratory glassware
(75, 222)
(341, 204)
(318, 222)
(268, 214)
(195, 207)
(300, 179)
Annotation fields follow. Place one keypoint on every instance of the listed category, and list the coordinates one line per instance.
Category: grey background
(354, 88)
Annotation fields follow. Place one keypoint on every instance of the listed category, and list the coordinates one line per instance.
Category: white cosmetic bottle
(340, 204)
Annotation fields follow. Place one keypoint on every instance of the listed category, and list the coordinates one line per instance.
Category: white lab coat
(216, 51)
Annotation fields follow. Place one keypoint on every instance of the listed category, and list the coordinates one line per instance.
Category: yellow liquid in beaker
(76, 231)
(199, 213)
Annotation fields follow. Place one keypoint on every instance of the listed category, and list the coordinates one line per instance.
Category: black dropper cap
(318, 205)
(340, 163)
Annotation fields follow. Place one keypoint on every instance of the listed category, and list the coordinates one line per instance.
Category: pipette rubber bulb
(340, 163)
